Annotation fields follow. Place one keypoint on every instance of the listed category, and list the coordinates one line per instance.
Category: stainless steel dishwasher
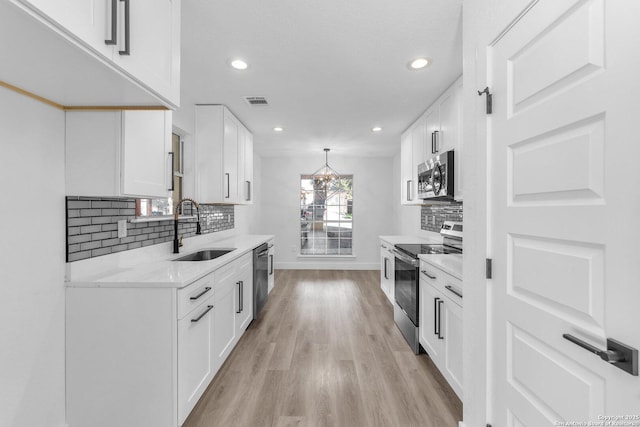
(260, 278)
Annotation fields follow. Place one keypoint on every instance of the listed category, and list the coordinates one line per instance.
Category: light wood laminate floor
(326, 352)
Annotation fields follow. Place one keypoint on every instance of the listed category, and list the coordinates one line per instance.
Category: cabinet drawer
(444, 282)
(244, 263)
(194, 295)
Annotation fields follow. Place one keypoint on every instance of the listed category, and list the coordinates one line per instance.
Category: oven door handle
(406, 258)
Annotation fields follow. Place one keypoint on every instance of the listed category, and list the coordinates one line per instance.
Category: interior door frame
(484, 23)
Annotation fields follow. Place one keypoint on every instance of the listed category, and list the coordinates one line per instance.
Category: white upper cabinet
(436, 131)
(118, 153)
(130, 48)
(150, 52)
(224, 158)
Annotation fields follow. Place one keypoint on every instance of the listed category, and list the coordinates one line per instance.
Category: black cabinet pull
(173, 159)
(114, 24)
(209, 307)
(385, 268)
(271, 269)
(428, 275)
(440, 337)
(433, 147)
(435, 317)
(241, 296)
(127, 33)
(435, 141)
(195, 297)
(238, 311)
(453, 291)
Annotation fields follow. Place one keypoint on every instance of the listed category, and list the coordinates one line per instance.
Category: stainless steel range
(407, 264)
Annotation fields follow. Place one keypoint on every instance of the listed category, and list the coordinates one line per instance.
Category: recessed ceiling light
(278, 129)
(376, 129)
(419, 63)
(239, 64)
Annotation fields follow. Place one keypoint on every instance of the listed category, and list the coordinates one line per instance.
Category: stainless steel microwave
(435, 177)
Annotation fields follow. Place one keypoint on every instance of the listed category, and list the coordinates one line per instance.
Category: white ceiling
(330, 69)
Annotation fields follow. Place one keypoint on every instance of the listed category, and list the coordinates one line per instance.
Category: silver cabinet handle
(618, 354)
(209, 307)
(427, 274)
(195, 297)
(453, 291)
(127, 33)
(433, 144)
(435, 141)
(409, 188)
(228, 185)
(248, 190)
(114, 24)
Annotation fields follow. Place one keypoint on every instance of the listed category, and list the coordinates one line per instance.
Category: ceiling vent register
(256, 100)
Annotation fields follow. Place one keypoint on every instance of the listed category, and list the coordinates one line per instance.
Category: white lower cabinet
(441, 322)
(244, 301)
(387, 270)
(195, 356)
(143, 356)
(225, 329)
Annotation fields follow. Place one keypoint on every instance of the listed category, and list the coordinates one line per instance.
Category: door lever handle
(618, 354)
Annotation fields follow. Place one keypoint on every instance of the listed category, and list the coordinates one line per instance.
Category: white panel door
(146, 138)
(564, 209)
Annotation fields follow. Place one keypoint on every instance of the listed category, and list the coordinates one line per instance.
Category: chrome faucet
(178, 242)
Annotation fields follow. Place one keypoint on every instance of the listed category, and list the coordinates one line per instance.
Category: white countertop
(449, 263)
(161, 271)
(407, 239)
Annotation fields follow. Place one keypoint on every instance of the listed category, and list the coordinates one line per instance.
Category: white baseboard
(324, 265)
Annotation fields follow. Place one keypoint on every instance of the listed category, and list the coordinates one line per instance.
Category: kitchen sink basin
(205, 255)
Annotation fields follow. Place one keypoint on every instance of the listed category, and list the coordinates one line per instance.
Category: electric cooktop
(413, 250)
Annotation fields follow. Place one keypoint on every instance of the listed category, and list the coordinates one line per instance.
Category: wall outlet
(122, 228)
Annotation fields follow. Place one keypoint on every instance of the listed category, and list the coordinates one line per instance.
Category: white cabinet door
(230, 153)
(418, 144)
(387, 273)
(86, 20)
(118, 153)
(244, 301)
(146, 138)
(406, 160)
(248, 168)
(449, 126)
(224, 320)
(451, 319)
(272, 254)
(153, 45)
(195, 356)
(432, 118)
(430, 329)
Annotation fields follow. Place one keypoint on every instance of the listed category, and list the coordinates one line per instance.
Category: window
(160, 207)
(326, 216)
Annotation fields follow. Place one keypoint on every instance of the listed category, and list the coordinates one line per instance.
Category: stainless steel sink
(205, 255)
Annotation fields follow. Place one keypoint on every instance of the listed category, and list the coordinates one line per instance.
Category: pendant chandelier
(326, 176)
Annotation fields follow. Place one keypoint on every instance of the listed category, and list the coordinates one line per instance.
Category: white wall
(32, 263)
(372, 207)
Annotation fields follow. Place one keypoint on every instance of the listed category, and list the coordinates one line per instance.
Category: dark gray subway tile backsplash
(92, 226)
(432, 217)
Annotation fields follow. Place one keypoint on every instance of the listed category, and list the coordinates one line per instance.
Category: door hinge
(489, 99)
(488, 268)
